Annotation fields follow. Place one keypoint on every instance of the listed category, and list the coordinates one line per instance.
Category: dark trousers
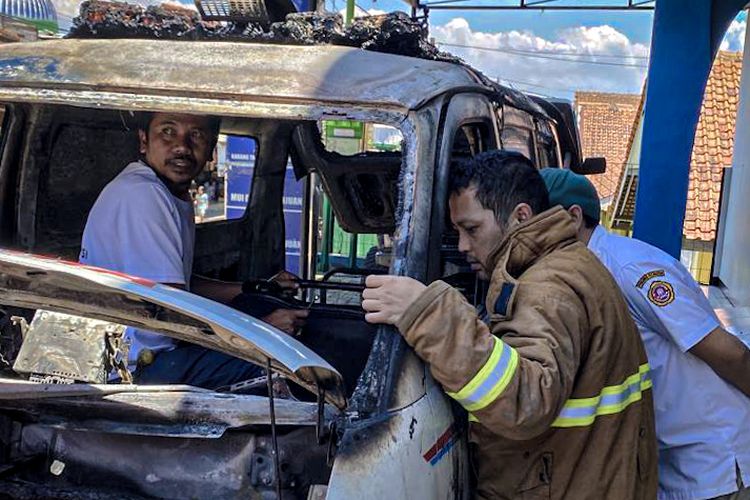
(194, 365)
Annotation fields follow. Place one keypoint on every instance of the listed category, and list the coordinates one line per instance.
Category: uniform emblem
(661, 293)
(648, 276)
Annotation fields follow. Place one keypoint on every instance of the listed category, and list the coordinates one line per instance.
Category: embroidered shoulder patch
(648, 276)
(661, 293)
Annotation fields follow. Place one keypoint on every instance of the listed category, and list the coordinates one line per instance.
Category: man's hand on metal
(288, 321)
(286, 280)
(387, 298)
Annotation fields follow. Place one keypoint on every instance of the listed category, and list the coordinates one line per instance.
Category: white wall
(734, 269)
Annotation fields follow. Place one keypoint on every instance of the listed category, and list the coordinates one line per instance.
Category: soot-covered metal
(393, 33)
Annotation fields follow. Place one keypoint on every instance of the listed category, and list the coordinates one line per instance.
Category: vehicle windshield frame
(247, 111)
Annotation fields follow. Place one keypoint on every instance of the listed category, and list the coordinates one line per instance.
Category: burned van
(350, 411)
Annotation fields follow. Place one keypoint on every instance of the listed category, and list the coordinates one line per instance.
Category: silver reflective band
(612, 399)
(491, 380)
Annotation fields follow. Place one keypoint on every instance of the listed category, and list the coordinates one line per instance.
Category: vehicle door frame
(461, 109)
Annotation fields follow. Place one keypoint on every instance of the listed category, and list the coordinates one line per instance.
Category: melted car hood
(37, 282)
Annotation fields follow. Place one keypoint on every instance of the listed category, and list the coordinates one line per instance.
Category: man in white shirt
(143, 224)
(700, 372)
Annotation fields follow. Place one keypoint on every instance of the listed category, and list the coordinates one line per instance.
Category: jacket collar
(520, 249)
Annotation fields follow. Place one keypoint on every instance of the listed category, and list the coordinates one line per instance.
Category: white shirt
(702, 421)
(138, 227)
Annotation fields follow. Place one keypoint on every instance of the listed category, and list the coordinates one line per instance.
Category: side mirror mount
(591, 166)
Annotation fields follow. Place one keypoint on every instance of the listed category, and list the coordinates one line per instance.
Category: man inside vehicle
(143, 224)
(557, 387)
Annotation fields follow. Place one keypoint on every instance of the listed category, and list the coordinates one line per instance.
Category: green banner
(344, 129)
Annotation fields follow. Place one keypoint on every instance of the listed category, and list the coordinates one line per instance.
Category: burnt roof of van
(222, 78)
(156, 69)
(392, 33)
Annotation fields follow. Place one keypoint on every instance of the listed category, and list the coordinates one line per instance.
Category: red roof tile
(712, 150)
(714, 143)
(605, 121)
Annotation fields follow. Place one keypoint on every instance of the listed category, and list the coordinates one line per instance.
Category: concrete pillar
(734, 269)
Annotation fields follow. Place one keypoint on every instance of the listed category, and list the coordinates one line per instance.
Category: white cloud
(734, 39)
(552, 74)
(67, 8)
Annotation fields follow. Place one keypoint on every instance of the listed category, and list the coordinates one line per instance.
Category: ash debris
(98, 19)
(394, 33)
(309, 28)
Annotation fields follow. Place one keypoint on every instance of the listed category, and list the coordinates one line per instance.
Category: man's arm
(220, 291)
(514, 386)
(671, 303)
(225, 291)
(727, 356)
(287, 320)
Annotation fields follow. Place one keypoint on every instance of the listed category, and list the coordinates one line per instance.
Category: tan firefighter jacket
(557, 388)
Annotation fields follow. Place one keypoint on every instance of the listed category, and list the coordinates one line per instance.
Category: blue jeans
(194, 365)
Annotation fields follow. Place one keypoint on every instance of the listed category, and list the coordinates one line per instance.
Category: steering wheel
(355, 271)
(260, 298)
(350, 287)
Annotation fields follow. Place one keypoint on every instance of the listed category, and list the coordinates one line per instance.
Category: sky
(546, 52)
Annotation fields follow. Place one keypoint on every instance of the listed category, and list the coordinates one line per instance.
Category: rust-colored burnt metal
(393, 33)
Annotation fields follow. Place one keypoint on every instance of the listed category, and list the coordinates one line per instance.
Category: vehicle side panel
(417, 452)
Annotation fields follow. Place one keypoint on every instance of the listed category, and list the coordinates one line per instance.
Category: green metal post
(349, 12)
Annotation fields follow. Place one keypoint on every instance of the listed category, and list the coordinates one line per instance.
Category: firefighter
(700, 371)
(557, 388)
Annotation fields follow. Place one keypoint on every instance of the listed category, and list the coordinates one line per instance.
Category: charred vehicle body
(362, 416)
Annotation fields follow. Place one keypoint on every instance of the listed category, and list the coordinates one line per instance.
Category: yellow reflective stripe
(491, 380)
(588, 420)
(645, 377)
(612, 399)
(500, 386)
(482, 374)
(612, 389)
(472, 418)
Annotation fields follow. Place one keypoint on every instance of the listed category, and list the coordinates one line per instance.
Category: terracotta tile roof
(605, 121)
(712, 151)
(714, 143)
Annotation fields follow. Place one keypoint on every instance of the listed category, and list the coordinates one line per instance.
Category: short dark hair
(503, 179)
(589, 223)
(144, 119)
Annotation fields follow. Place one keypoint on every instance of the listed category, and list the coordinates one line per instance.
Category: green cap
(567, 188)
